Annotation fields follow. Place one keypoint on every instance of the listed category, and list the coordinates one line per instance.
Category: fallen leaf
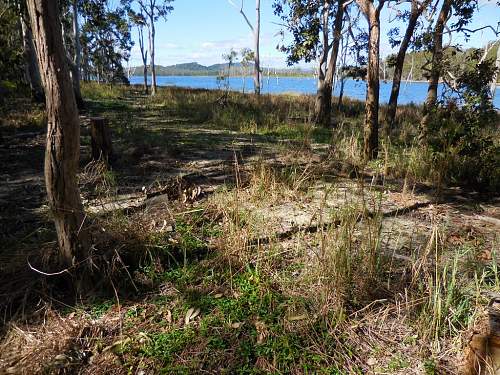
(191, 314)
(485, 255)
(218, 295)
(164, 225)
(371, 361)
(236, 325)
(143, 337)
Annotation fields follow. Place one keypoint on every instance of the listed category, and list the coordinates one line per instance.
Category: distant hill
(196, 69)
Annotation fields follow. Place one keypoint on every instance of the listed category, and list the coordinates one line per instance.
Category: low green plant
(164, 346)
(98, 309)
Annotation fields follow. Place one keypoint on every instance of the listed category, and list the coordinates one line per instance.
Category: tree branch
(242, 12)
(347, 3)
(495, 31)
(381, 4)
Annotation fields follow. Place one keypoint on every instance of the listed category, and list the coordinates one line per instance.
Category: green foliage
(164, 346)
(303, 21)
(430, 367)
(98, 309)
(417, 62)
(106, 41)
(11, 49)
(462, 132)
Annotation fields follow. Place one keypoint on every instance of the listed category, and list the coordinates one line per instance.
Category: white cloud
(168, 45)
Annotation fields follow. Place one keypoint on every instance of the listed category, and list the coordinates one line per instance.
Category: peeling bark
(63, 134)
(372, 14)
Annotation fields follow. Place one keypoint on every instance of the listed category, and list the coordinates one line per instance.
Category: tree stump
(484, 348)
(100, 139)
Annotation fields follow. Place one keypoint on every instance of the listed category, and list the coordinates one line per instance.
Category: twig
(190, 211)
(368, 306)
(45, 273)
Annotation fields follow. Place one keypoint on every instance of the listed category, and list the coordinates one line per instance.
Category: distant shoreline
(264, 76)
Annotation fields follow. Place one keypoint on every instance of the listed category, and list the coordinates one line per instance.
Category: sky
(202, 30)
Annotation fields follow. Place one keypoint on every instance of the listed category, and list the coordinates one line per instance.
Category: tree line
(324, 30)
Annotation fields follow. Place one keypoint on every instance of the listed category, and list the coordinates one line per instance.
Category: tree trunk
(145, 74)
(100, 135)
(323, 107)
(63, 134)
(437, 57)
(370, 148)
(416, 11)
(78, 57)
(32, 69)
(72, 69)
(322, 66)
(257, 49)
(152, 54)
(144, 56)
(493, 87)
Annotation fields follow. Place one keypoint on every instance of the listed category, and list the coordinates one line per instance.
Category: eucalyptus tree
(353, 49)
(32, 71)
(463, 11)
(139, 21)
(106, 40)
(417, 8)
(247, 56)
(63, 135)
(311, 23)
(323, 105)
(371, 10)
(153, 10)
(18, 63)
(256, 39)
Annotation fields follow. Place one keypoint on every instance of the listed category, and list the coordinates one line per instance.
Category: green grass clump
(164, 346)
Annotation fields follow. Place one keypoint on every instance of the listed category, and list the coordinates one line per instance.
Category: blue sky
(202, 30)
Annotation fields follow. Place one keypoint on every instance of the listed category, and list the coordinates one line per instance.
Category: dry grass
(289, 268)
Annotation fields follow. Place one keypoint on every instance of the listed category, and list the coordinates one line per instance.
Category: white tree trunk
(152, 54)
(257, 48)
(493, 87)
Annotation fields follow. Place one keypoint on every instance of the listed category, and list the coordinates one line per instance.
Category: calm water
(411, 92)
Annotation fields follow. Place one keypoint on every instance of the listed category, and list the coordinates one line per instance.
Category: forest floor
(238, 241)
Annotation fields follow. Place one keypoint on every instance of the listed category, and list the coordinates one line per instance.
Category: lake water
(411, 92)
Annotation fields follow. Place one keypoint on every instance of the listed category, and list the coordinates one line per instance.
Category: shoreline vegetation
(283, 76)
